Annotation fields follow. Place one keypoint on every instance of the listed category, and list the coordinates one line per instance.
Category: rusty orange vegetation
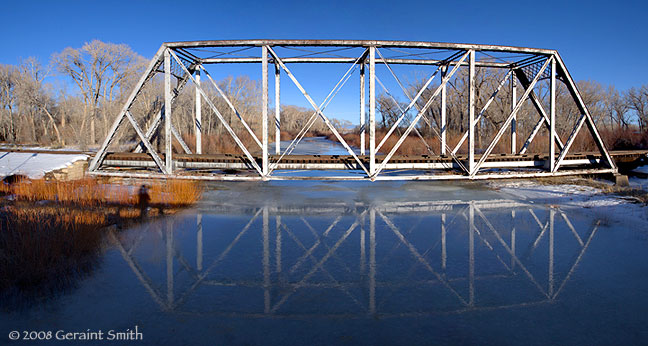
(89, 192)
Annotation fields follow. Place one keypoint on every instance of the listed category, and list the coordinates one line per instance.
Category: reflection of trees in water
(371, 257)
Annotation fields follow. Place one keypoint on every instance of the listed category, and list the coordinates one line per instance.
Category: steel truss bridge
(307, 249)
(185, 62)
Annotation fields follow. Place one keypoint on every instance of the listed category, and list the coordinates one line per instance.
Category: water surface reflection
(357, 260)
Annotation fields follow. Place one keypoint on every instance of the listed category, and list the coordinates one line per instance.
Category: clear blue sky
(606, 41)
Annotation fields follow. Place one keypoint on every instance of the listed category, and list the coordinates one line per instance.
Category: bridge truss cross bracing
(186, 62)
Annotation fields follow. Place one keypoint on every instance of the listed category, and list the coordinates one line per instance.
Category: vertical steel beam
(264, 111)
(362, 108)
(277, 109)
(152, 69)
(571, 86)
(552, 117)
(514, 121)
(471, 113)
(444, 69)
(167, 112)
(198, 120)
(372, 111)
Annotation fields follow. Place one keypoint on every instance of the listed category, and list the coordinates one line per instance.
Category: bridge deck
(624, 158)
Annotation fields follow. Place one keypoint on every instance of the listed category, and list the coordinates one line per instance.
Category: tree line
(612, 109)
(78, 109)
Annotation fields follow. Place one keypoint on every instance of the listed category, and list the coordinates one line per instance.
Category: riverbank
(52, 232)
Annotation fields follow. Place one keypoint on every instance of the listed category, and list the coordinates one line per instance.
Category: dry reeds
(88, 192)
(46, 250)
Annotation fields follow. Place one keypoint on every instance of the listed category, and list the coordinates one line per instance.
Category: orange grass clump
(88, 192)
(46, 250)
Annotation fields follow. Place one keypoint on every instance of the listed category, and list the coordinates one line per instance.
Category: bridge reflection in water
(357, 260)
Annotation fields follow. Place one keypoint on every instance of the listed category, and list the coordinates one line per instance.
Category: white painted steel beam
(264, 110)
(444, 107)
(277, 117)
(510, 117)
(168, 149)
(358, 43)
(514, 120)
(198, 120)
(231, 106)
(552, 117)
(471, 114)
(362, 108)
(155, 62)
(420, 114)
(318, 110)
(220, 116)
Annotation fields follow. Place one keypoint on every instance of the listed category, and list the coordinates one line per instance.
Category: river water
(394, 263)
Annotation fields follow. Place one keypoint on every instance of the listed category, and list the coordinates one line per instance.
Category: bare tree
(8, 81)
(616, 107)
(638, 102)
(98, 69)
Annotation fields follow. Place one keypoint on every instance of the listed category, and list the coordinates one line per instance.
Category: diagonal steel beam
(231, 106)
(412, 100)
(420, 114)
(158, 117)
(403, 112)
(482, 111)
(571, 86)
(151, 131)
(504, 127)
(150, 71)
(220, 116)
(318, 110)
(323, 105)
(544, 118)
(147, 144)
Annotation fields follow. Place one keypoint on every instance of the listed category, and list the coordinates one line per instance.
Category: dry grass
(45, 248)
(634, 194)
(88, 192)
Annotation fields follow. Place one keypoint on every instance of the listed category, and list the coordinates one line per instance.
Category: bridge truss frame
(181, 61)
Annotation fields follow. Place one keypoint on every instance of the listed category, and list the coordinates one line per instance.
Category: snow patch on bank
(564, 195)
(35, 165)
